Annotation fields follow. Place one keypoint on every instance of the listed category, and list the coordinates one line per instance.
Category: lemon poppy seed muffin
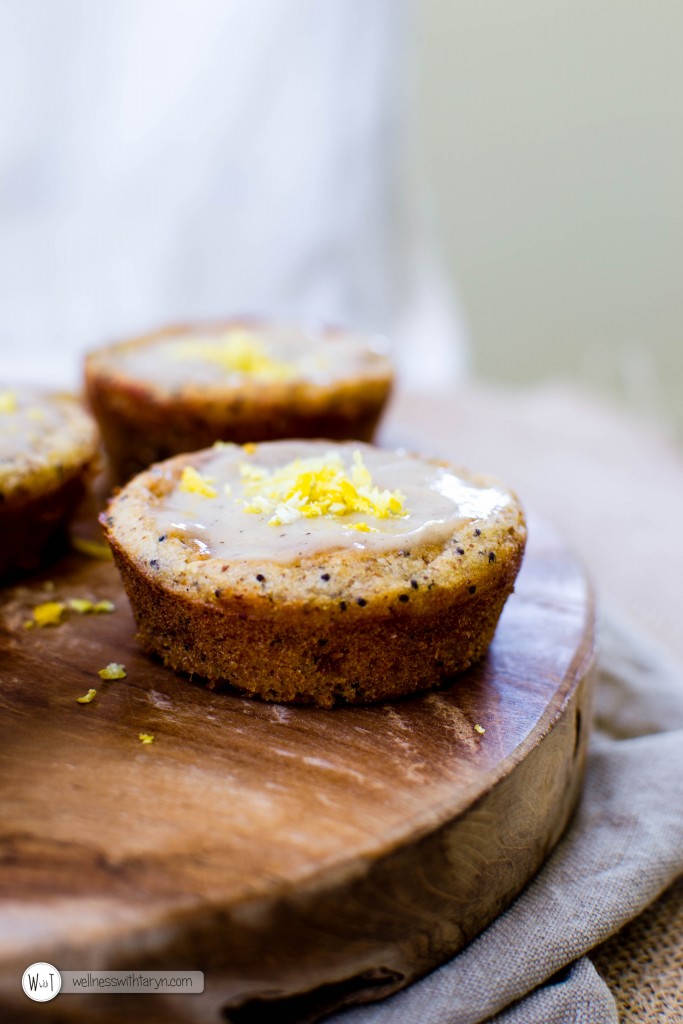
(310, 571)
(182, 388)
(48, 444)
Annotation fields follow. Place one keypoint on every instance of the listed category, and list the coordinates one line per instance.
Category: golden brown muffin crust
(337, 624)
(48, 446)
(144, 420)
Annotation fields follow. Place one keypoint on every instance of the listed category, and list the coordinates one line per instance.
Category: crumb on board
(83, 606)
(146, 738)
(112, 671)
(88, 697)
(49, 613)
(91, 548)
(480, 729)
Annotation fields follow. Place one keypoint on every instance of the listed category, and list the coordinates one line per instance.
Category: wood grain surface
(302, 858)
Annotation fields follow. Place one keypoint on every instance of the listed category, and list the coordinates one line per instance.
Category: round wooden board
(304, 857)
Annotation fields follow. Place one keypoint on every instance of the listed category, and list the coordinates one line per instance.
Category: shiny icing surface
(229, 504)
(237, 353)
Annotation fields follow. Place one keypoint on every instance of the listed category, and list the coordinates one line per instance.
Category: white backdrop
(170, 159)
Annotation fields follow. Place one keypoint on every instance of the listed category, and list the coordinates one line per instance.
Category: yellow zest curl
(321, 486)
(237, 351)
(192, 482)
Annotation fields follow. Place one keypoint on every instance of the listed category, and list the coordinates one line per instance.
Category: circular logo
(41, 982)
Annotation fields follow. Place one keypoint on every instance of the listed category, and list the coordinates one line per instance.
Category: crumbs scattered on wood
(112, 671)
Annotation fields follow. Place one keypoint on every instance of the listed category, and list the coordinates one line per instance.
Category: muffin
(47, 447)
(314, 572)
(182, 388)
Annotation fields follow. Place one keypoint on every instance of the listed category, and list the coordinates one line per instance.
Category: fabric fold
(622, 850)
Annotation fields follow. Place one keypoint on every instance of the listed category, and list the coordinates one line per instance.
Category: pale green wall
(551, 134)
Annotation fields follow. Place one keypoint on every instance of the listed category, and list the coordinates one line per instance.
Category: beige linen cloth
(623, 848)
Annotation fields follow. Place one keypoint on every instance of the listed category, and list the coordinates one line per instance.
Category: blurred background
(497, 186)
(551, 135)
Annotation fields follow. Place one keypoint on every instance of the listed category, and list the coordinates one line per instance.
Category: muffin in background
(181, 388)
(48, 445)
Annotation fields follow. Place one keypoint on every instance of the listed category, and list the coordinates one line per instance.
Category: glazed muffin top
(44, 438)
(317, 523)
(241, 354)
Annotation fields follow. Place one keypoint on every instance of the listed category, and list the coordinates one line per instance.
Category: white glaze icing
(436, 503)
(200, 357)
(28, 425)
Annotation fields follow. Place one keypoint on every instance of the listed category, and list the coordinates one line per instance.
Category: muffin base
(313, 656)
(33, 526)
(137, 432)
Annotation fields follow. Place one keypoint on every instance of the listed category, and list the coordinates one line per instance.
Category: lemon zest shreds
(237, 351)
(480, 729)
(49, 613)
(8, 401)
(146, 737)
(319, 486)
(91, 548)
(88, 697)
(103, 607)
(112, 671)
(192, 482)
